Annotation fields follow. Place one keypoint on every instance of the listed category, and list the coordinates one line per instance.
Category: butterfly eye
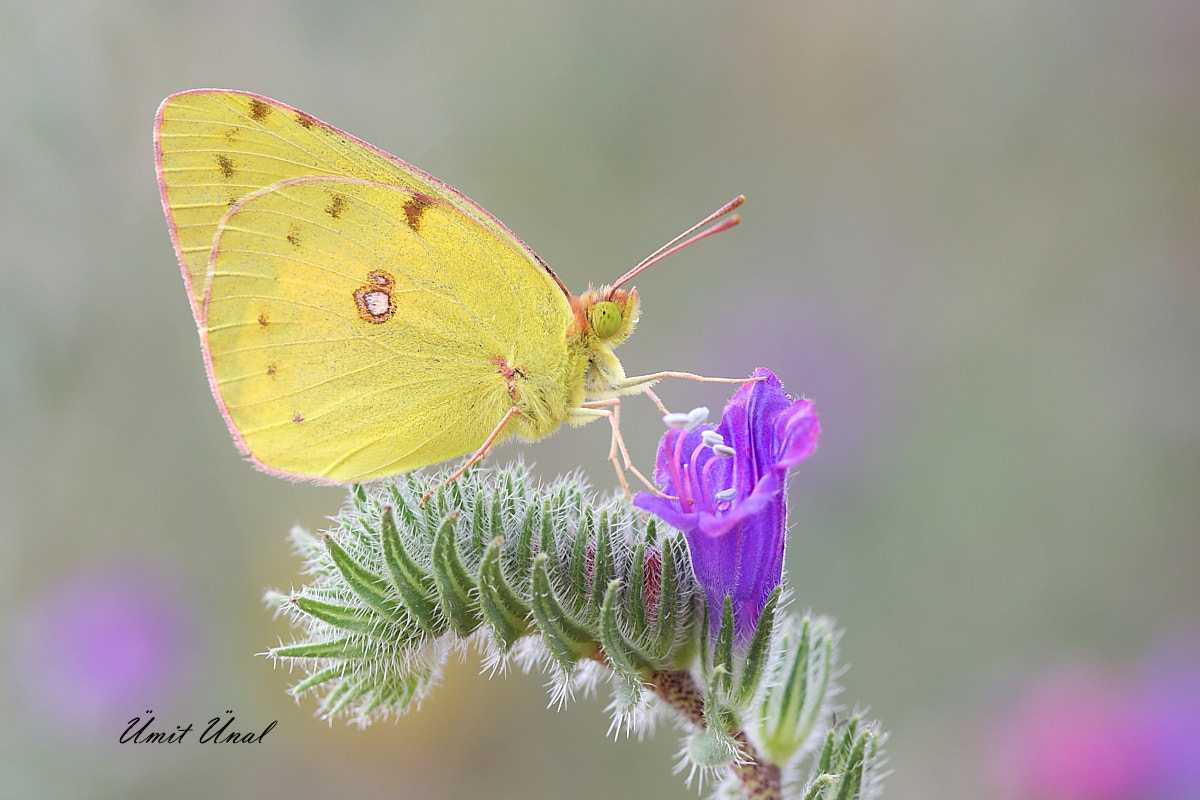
(605, 317)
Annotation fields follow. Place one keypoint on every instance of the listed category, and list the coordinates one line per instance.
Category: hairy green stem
(677, 688)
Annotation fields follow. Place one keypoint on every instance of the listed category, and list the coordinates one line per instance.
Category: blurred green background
(971, 236)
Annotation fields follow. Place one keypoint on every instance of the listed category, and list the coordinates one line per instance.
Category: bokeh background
(971, 236)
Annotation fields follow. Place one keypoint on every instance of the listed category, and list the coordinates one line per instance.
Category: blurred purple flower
(1075, 736)
(105, 644)
(1085, 734)
(730, 485)
(1170, 707)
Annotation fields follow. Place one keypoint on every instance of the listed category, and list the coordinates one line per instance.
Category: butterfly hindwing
(357, 329)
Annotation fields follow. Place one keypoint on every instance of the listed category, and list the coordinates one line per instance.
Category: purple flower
(730, 485)
(104, 644)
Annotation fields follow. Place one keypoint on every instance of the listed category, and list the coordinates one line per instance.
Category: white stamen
(723, 451)
(676, 420)
(726, 495)
(686, 422)
(712, 438)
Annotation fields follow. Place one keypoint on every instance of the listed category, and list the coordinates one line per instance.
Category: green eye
(605, 318)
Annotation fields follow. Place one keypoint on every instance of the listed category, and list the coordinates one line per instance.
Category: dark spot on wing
(297, 418)
(225, 164)
(375, 301)
(337, 204)
(293, 236)
(414, 209)
(263, 320)
(305, 120)
(271, 370)
(259, 110)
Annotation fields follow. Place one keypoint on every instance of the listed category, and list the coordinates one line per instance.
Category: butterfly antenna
(675, 245)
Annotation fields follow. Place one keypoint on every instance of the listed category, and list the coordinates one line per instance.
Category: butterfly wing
(355, 329)
(213, 148)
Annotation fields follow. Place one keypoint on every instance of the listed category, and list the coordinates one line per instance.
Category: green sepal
(818, 785)
(343, 694)
(523, 560)
(567, 639)
(497, 520)
(546, 534)
(577, 572)
(358, 497)
(455, 585)
(669, 589)
(602, 571)
(432, 517)
(339, 648)
(372, 589)
(711, 748)
(844, 762)
(479, 525)
(651, 531)
(715, 745)
(792, 709)
(414, 584)
(636, 597)
(339, 616)
(629, 695)
(316, 679)
(754, 663)
(505, 612)
(723, 650)
(625, 657)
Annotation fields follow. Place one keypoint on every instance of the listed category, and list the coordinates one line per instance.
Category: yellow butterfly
(360, 318)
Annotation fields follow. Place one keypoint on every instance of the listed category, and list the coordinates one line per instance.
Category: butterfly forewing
(214, 148)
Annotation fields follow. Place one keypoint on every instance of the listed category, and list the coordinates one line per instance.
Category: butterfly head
(608, 314)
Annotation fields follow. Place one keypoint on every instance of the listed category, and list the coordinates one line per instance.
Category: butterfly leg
(611, 410)
(479, 455)
(650, 393)
(631, 385)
